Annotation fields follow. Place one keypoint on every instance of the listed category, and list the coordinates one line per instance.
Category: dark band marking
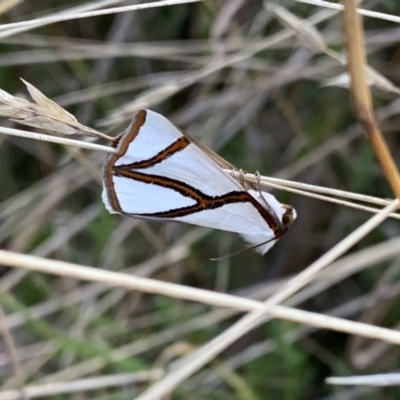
(122, 147)
(175, 147)
(203, 201)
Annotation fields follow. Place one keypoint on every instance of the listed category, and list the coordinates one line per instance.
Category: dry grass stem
(43, 114)
(373, 79)
(362, 94)
(82, 385)
(390, 379)
(366, 13)
(55, 139)
(334, 200)
(70, 270)
(311, 37)
(12, 28)
(304, 30)
(19, 374)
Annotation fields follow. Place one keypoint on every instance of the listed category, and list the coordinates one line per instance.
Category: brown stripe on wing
(180, 187)
(203, 201)
(175, 147)
(121, 143)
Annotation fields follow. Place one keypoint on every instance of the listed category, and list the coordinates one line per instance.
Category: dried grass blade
(43, 114)
(362, 94)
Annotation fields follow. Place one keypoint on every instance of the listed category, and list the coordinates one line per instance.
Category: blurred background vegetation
(229, 74)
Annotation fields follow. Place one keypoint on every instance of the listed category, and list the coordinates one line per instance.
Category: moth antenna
(247, 248)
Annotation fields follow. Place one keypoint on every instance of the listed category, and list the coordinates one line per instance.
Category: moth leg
(258, 177)
(241, 177)
(233, 173)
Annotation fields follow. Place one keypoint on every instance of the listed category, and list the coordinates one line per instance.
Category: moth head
(288, 216)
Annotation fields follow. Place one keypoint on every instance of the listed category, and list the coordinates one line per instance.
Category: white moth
(159, 173)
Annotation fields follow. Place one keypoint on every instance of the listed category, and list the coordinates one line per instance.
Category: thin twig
(111, 278)
(339, 7)
(56, 139)
(9, 29)
(14, 361)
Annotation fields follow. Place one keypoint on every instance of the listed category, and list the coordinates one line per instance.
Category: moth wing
(173, 171)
